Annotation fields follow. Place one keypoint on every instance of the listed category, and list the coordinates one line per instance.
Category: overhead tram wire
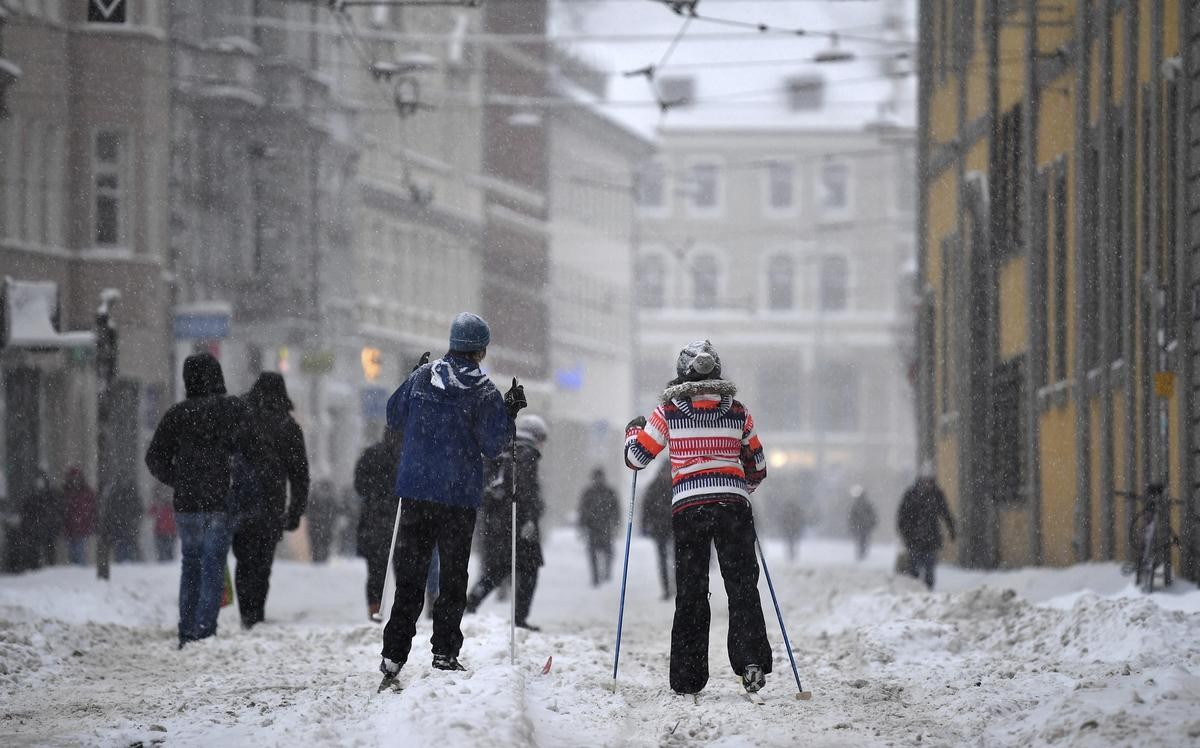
(688, 8)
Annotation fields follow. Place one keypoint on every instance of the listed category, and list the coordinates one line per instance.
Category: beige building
(83, 189)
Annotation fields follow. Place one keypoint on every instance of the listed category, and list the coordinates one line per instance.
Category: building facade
(84, 160)
(1057, 306)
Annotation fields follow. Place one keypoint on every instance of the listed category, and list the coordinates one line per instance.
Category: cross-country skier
(191, 452)
(530, 436)
(599, 512)
(716, 462)
(450, 415)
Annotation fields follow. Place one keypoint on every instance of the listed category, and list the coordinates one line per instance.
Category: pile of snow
(1031, 656)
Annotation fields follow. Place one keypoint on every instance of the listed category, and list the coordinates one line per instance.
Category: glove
(514, 399)
(424, 360)
(637, 423)
(291, 524)
(528, 530)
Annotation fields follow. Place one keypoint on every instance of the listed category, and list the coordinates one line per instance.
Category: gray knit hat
(697, 361)
(469, 333)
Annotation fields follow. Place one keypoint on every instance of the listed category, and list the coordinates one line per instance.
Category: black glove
(637, 423)
(292, 523)
(514, 399)
(424, 360)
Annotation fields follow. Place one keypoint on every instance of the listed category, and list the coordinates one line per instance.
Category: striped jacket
(715, 454)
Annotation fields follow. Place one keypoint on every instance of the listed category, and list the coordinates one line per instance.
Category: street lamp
(106, 374)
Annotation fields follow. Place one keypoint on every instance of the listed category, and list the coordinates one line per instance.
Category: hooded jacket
(196, 439)
(716, 455)
(279, 458)
(449, 415)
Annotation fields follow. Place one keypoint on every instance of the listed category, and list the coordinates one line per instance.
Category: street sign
(202, 325)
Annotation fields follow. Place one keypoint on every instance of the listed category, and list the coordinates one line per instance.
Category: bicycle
(1151, 537)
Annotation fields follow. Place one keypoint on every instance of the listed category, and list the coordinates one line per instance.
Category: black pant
(923, 562)
(731, 528)
(424, 524)
(600, 557)
(529, 559)
(254, 549)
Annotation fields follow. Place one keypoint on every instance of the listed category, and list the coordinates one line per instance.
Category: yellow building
(1060, 209)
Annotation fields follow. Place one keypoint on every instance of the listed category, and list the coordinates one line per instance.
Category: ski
(390, 683)
(754, 698)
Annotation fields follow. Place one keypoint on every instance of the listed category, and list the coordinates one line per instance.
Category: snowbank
(1071, 656)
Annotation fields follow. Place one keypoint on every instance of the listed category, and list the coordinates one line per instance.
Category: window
(651, 282)
(1007, 433)
(781, 283)
(1006, 183)
(704, 282)
(834, 291)
(835, 187)
(781, 186)
(107, 160)
(678, 91)
(703, 187)
(651, 186)
(107, 11)
(1058, 199)
(836, 405)
(805, 93)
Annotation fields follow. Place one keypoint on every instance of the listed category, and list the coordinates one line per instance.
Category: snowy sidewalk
(1008, 658)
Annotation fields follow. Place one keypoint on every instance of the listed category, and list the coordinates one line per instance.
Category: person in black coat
(263, 478)
(599, 513)
(921, 511)
(192, 451)
(519, 472)
(656, 524)
(375, 483)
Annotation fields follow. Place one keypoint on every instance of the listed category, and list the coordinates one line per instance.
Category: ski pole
(512, 573)
(387, 572)
(624, 578)
(800, 692)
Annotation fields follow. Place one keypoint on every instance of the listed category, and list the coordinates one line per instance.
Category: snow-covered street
(1010, 658)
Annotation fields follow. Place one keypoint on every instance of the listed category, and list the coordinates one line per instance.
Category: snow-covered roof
(31, 308)
(741, 76)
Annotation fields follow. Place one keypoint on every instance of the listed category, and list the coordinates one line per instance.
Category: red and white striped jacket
(715, 454)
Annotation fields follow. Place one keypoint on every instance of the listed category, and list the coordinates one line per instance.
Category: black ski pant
(600, 557)
(254, 550)
(529, 558)
(730, 527)
(424, 524)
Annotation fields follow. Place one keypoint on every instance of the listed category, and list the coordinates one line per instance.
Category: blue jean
(77, 551)
(204, 540)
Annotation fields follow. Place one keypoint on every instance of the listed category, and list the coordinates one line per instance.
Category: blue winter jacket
(450, 414)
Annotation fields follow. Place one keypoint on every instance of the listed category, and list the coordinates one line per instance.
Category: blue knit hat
(469, 333)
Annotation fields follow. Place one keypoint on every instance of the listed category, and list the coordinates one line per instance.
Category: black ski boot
(391, 676)
(753, 679)
(447, 662)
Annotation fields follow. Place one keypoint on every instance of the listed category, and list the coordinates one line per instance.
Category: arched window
(781, 283)
(704, 282)
(835, 283)
(651, 282)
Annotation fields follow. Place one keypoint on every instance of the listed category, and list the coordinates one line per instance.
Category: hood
(270, 391)
(683, 393)
(456, 375)
(202, 376)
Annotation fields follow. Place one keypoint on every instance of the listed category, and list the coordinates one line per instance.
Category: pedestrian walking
(449, 416)
(375, 484)
(793, 521)
(599, 514)
(41, 521)
(523, 479)
(862, 521)
(322, 516)
(162, 515)
(80, 514)
(276, 463)
(656, 525)
(192, 451)
(922, 510)
(717, 462)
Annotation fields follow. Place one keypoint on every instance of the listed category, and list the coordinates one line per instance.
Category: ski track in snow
(1041, 657)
